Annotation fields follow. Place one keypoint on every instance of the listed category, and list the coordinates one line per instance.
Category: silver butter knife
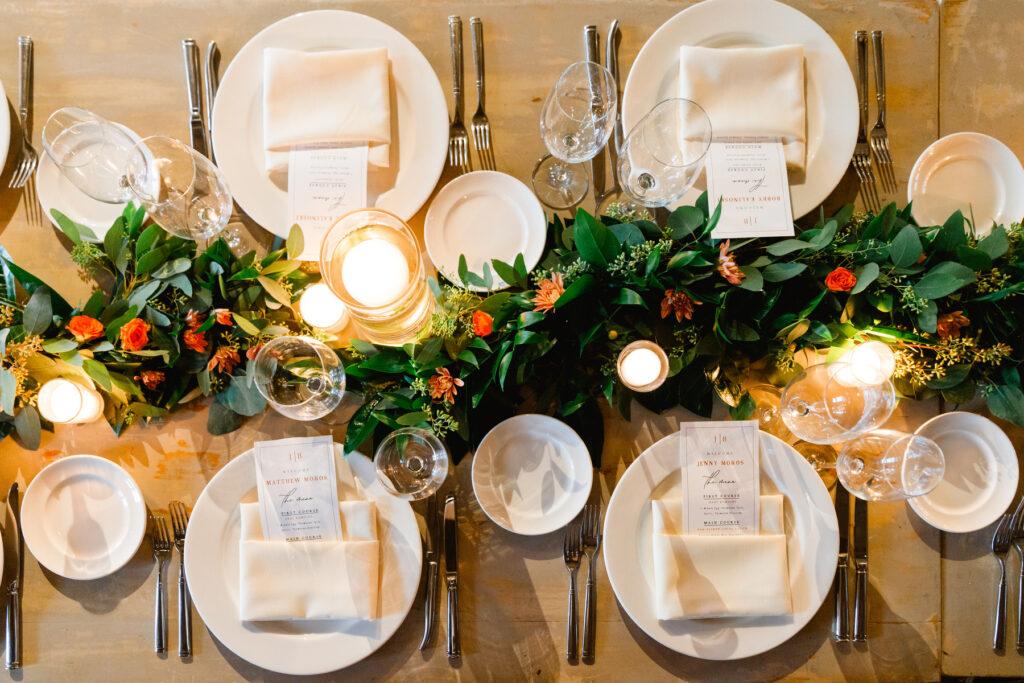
(860, 561)
(451, 577)
(591, 42)
(195, 108)
(14, 587)
(211, 79)
(430, 604)
(841, 618)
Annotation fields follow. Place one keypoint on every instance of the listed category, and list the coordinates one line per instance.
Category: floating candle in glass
(62, 401)
(322, 310)
(643, 366)
(869, 363)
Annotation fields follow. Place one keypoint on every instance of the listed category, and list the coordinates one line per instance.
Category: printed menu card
(721, 478)
(749, 175)
(298, 490)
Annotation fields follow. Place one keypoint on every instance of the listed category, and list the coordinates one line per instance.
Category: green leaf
(595, 243)
(905, 248)
(413, 419)
(777, 272)
(743, 410)
(928, 318)
(385, 362)
(138, 298)
(175, 267)
(684, 221)
(951, 234)
(429, 350)
(653, 261)
(786, 247)
(8, 391)
(4, 332)
(824, 237)
(628, 297)
(38, 314)
(26, 424)
(246, 325)
(276, 291)
(94, 306)
(944, 279)
(578, 287)
(954, 377)
(524, 337)
(67, 226)
(1007, 401)
(243, 399)
(151, 260)
(220, 419)
(527, 318)
(975, 259)
(113, 241)
(504, 271)
(686, 258)
(627, 233)
(295, 243)
(364, 347)
(520, 266)
(995, 243)
(147, 239)
(865, 275)
(464, 270)
(360, 427)
(753, 281)
(59, 345)
(98, 372)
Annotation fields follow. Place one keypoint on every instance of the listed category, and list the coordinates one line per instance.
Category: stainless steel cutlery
(26, 165)
(1017, 534)
(197, 129)
(879, 136)
(433, 531)
(571, 549)
(592, 50)
(860, 562)
(480, 126)
(451, 576)
(458, 138)
(611, 44)
(841, 615)
(179, 521)
(862, 151)
(211, 80)
(162, 544)
(14, 585)
(1000, 548)
(591, 544)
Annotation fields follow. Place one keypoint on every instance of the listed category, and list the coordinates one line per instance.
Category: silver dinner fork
(879, 136)
(1017, 534)
(179, 520)
(1000, 548)
(862, 151)
(571, 549)
(29, 159)
(161, 553)
(458, 138)
(481, 127)
(591, 544)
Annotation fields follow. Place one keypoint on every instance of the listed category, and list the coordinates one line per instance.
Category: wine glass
(411, 463)
(822, 458)
(664, 154)
(828, 403)
(887, 465)
(300, 377)
(181, 189)
(90, 151)
(576, 120)
(767, 399)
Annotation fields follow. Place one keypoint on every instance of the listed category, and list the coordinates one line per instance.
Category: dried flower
(679, 303)
(225, 360)
(548, 293)
(151, 379)
(195, 341)
(950, 324)
(443, 385)
(483, 324)
(223, 316)
(134, 334)
(840, 280)
(727, 267)
(85, 328)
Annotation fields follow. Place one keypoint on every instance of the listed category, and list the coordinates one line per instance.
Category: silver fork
(29, 158)
(458, 138)
(179, 520)
(481, 127)
(1017, 534)
(571, 554)
(161, 553)
(1000, 547)
(591, 543)
(862, 151)
(879, 136)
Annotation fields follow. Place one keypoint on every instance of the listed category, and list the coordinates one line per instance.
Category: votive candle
(321, 309)
(643, 366)
(62, 401)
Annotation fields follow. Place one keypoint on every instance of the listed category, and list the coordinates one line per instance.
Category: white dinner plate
(297, 647)
(5, 127)
(970, 172)
(484, 215)
(83, 517)
(981, 473)
(532, 474)
(419, 116)
(812, 535)
(831, 95)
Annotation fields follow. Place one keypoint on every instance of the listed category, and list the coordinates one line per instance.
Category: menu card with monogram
(298, 489)
(721, 478)
(749, 175)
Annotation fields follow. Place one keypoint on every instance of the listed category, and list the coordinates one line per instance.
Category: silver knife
(430, 605)
(14, 588)
(211, 79)
(195, 106)
(611, 60)
(860, 560)
(591, 42)
(451, 576)
(841, 617)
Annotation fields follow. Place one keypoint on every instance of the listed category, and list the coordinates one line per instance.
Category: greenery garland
(944, 299)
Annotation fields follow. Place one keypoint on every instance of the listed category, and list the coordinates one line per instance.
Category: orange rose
(134, 334)
(195, 341)
(840, 280)
(223, 316)
(85, 328)
(483, 324)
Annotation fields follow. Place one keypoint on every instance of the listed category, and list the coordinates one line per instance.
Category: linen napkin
(289, 580)
(338, 96)
(698, 577)
(750, 92)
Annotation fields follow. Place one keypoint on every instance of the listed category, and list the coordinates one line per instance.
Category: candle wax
(320, 308)
(640, 367)
(375, 272)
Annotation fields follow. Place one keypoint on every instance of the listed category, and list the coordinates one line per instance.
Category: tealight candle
(64, 402)
(375, 272)
(643, 366)
(321, 309)
(869, 363)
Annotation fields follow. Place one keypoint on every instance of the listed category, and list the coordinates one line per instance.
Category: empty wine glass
(576, 120)
(767, 401)
(411, 463)
(890, 465)
(827, 403)
(822, 458)
(90, 151)
(664, 154)
(300, 377)
(181, 189)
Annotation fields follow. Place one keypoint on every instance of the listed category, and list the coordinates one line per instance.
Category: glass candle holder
(371, 261)
(322, 310)
(62, 401)
(642, 366)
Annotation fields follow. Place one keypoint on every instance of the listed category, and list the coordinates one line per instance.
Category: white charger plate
(297, 647)
(831, 95)
(981, 473)
(5, 128)
(83, 517)
(484, 215)
(532, 474)
(419, 116)
(972, 172)
(812, 535)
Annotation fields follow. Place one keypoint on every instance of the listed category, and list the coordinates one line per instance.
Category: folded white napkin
(340, 96)
(285, 580)
(720, 576)
(749, 92)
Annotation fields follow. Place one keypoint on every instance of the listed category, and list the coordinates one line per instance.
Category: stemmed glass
(576, 120)
(889, 465)
(411, 463)
(90, 151)
(767, 401)
(300, 377)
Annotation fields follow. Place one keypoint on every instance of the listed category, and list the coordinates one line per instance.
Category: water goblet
(90, 151)
(300, 377)
(887, 465)
(767, 401)
(411, 463)
(828, 403)
(822, 457)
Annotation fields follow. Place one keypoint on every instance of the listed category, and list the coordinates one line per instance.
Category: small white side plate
(484, 215)
(981, 473)
(971, 172)
(532, 474)
(83, 517)
(5, 128)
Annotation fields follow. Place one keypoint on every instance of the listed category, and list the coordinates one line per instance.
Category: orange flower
(195, 341)
(483, 324)
(151, 379)
(679, 303)
(840, 280)
(949, 324)
(85, 328)
(223, 316)
(194, 319)
(727, 267)
(225, 360)
(443, 385)
(252, 351)
(134, 334)
(548, 293)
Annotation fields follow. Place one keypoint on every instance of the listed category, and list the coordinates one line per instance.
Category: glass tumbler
(828, 404)
(886, 465)
(300, 377)
(411, 463)
(90, 151)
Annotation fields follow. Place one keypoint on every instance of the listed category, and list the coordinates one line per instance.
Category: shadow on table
(101, 596)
